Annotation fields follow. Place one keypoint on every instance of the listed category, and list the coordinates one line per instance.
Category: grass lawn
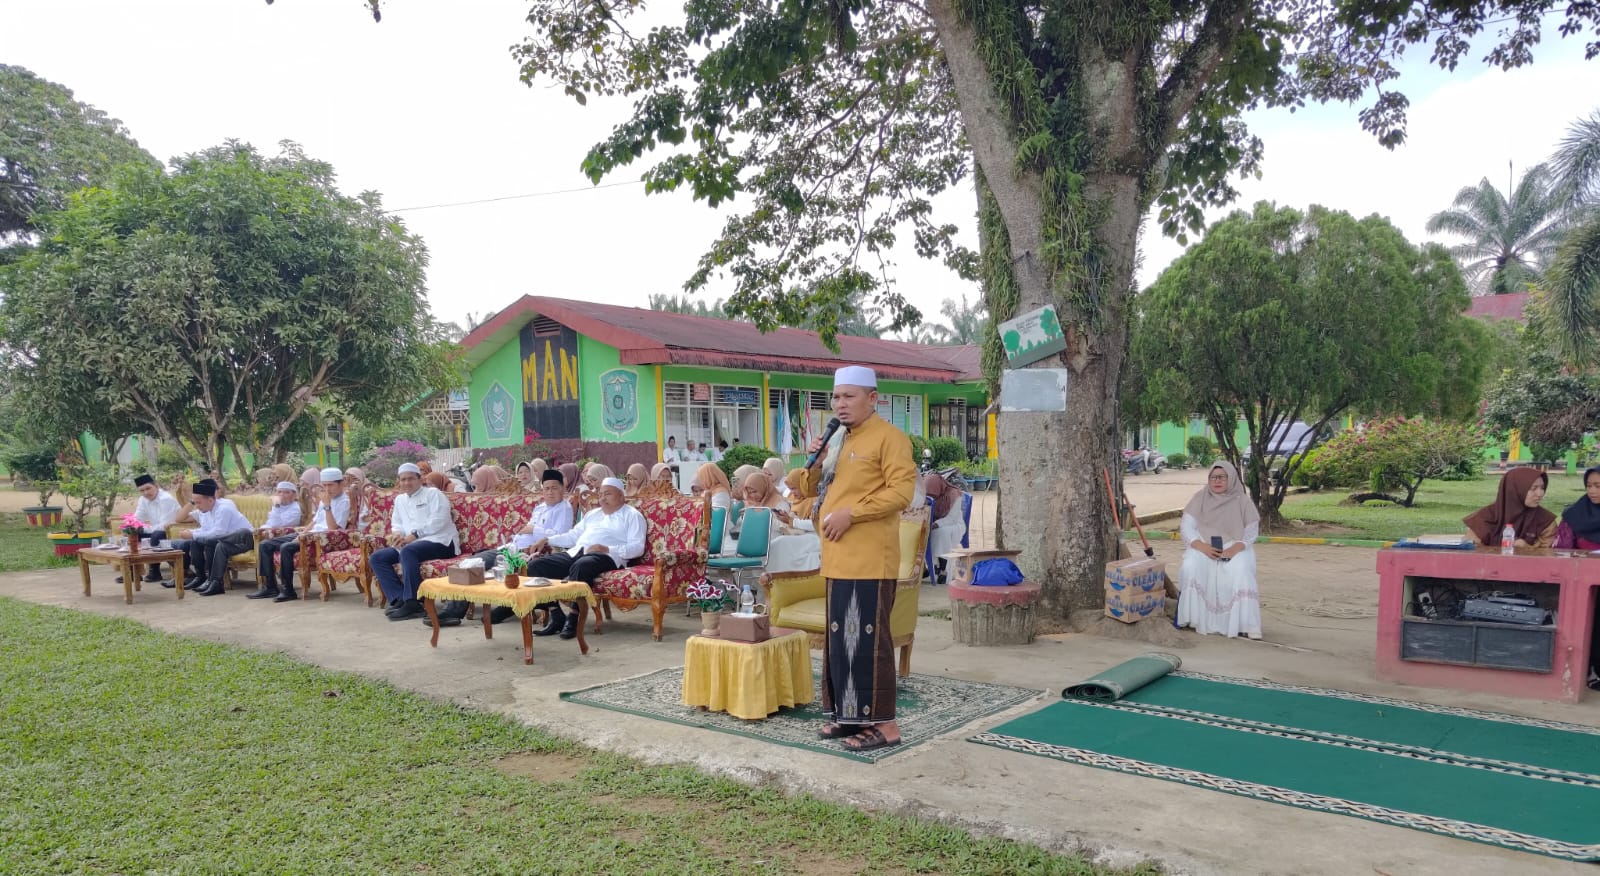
(131, 751)
(1439, 507)
(24, 547)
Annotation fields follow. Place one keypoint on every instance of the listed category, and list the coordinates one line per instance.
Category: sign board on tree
(1032, 336)
(1033, 389)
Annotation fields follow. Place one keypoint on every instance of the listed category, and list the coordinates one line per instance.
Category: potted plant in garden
(37, 466)
(712, 598)
(85, 487)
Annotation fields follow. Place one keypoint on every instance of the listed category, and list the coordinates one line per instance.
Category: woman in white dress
(1218, 584)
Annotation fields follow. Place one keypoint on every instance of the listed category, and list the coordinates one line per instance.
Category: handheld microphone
(827, 435)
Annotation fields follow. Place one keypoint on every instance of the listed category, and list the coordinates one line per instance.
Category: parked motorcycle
(1137, 462)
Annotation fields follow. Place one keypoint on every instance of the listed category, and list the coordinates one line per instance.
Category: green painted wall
(502, 368)
(594, 361)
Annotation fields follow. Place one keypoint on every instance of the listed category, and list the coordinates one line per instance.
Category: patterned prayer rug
(925, 705)
(1516, 782)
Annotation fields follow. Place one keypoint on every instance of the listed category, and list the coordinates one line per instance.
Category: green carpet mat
(925, 706)
(1514, 782)
(1124, 678)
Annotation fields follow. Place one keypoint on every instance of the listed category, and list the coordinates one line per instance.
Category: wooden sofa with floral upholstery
(483, 521)
(254, 507)
(679, 528)
(342, 556)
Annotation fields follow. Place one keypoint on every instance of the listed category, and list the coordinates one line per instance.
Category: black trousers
(564, 566)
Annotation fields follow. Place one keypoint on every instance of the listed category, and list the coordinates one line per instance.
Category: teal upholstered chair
(753, 539)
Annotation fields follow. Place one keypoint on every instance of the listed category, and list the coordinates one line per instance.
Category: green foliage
(979, 468)
(743, 454)
(417, 429)
(50, 146)
(1303, 316)
(1438, 507)
(946, 451)
(383, 463)
(1202, 448)
(1509, 241)
(38, 465)
(1397, 453)
(1551, 407)
(314, 295)
(686, 304)
(1178, 460)
(91, 489)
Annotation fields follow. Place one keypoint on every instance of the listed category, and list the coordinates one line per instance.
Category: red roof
(1507, 306)
(653, 337)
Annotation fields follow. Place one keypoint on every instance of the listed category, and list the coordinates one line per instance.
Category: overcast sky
(427, 109)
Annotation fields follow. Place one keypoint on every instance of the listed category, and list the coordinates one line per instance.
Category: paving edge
(1275, 539)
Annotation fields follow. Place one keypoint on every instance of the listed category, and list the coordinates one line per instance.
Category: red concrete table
(1574, 575)
(1001, 615)
(132, 566)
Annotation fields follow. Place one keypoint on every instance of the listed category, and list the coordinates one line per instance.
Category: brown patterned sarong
(858, 668)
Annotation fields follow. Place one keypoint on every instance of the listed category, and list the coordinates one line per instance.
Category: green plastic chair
(753, 540)
(719, 520)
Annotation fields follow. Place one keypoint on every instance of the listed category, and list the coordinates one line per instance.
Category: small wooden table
(132, 565)
(748, 680)
(523, 600)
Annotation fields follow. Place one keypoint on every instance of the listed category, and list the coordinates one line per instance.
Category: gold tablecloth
(521, 600)
(747, 680)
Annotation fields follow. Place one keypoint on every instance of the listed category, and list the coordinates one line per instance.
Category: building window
(707, 413)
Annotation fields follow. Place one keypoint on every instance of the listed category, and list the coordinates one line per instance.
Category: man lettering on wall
(871, 482)
(604, 540)
(421, 529)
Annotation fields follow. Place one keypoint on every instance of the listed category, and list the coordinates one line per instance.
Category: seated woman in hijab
(710, 481)
(737, 481)
(1580, 530)
(774, 469)
(1516, 503)
(1218, 575)
(589, 488)
(660, 484)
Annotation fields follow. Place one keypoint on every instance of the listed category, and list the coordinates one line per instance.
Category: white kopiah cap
(855, 375)
(408, 468)
(288, 485)
(332, 475)
(614, 482)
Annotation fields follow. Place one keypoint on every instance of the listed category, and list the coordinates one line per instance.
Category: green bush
(37, 465)
(979, 468)
(743, 454)
(1397, 454)
(946, 451)
(1201, 449)
(1178, 460)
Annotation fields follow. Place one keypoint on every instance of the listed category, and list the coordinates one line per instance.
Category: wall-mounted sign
(550, 382)
(459, 400)
(1032, 336)
(700, 392)
(619, 391)
(1033, 389)
(497, 408)
(746, 396)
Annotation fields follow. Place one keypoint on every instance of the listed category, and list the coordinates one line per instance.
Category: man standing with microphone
(861, 494)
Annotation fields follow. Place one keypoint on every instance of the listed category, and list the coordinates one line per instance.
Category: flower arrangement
(712, 596)
(132, 526)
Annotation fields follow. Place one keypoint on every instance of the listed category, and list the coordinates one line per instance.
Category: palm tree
(1572, 283)
(1509, 242)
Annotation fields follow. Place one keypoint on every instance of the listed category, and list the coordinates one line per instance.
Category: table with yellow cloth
(521, 600)
(747, 679)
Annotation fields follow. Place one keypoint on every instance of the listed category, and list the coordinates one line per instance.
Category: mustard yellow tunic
(875, 479)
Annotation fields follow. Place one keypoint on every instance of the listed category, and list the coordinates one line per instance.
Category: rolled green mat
(1124, 678)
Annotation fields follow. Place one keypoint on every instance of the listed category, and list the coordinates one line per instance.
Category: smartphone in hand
(1216, 544)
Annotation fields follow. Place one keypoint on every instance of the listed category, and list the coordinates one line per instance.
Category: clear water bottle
(1508, 540)
(747, 601)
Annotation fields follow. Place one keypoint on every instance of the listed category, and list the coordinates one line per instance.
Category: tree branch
(1195, 67)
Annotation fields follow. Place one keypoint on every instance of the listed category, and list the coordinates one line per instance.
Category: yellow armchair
(798, 600)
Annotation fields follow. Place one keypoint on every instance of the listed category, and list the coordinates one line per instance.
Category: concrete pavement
(1318, 604)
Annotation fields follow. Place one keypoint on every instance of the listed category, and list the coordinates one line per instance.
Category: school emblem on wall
(619, 391)
(497, 407)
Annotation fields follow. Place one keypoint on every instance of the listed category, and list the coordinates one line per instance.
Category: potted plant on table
(133, 528)
(515, 563)
(712, 598)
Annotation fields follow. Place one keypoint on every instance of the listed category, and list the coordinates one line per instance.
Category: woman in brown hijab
(1218, 575)
(1516, 503)
(638, 477)
(569, 477)
(438, 481)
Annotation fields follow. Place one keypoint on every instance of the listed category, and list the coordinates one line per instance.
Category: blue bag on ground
(999, 572)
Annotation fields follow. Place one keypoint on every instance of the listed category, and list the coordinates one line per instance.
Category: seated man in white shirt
(157, 509)
(552, 516)
(672, 456)
(422, 527)
(691, 453)
(332, 513)
(223, 532)
(603, 541)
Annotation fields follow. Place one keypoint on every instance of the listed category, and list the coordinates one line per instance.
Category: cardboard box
(959, 563)
(746, 628)
(459, 575)
(1136, 589)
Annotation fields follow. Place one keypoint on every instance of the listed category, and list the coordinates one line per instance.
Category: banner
(550, 382)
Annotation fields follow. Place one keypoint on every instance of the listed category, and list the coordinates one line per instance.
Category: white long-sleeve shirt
(284, 515)
(622, 532)
(549, 520)
(160, 513)
(341, 513)
(224, 518)
(425, 514)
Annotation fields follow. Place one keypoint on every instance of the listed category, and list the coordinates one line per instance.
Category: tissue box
(959, 563)
(1135, 589)
(459, 575)
(746, 627)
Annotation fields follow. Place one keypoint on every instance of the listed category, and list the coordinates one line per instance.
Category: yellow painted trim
(1286, 539)
(994, 447)
(661, 415)
(925, 416)
(766, 410)
(1514, 449)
